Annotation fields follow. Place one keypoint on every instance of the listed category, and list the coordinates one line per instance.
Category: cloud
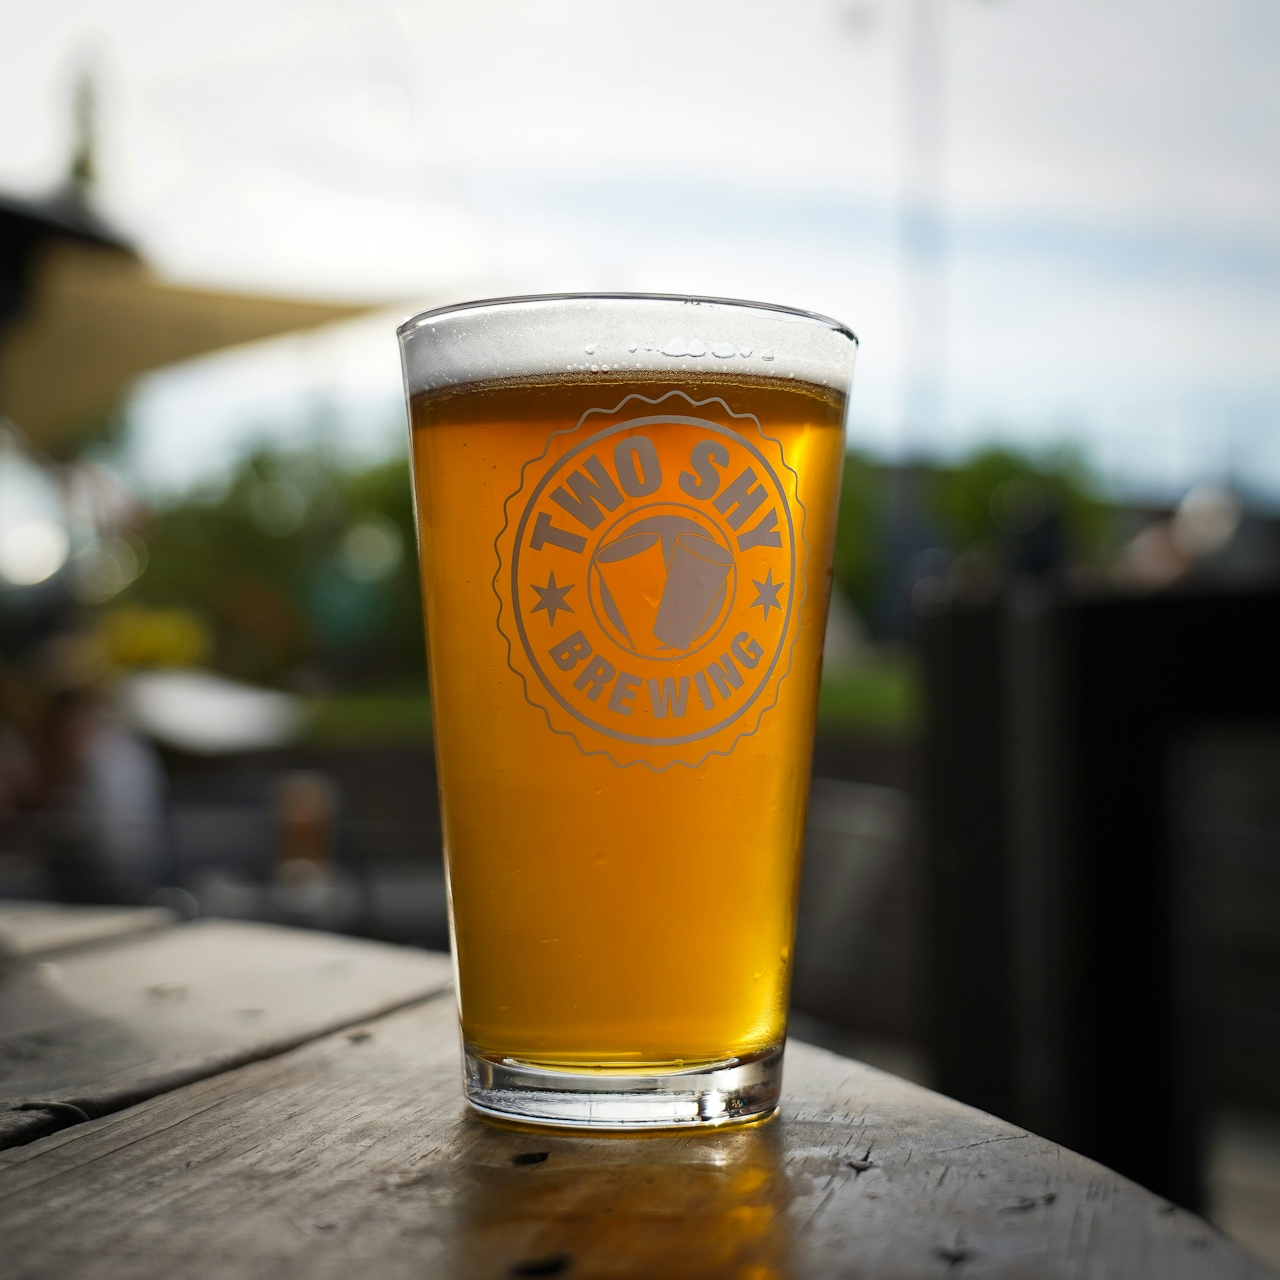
(1111, 171)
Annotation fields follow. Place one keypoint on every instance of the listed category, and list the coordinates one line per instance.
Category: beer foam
(557, 334)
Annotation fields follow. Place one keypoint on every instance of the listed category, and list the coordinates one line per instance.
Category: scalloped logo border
(797, 602)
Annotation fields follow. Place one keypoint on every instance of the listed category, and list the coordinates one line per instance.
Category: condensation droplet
(766, 354)
(722, 350)
(676, 347)
(590, 348)
(696, 348)
(745, 353)
(631, 346)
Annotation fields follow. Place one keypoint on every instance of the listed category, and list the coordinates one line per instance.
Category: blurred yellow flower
(137, 636)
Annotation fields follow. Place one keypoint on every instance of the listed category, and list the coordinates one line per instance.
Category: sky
(1107, 171)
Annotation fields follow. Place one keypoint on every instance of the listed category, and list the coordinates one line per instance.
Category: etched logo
(650, 575)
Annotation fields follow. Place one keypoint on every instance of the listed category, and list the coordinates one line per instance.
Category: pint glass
(626, 508)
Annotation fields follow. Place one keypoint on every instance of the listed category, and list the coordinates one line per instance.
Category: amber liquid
(608, 917)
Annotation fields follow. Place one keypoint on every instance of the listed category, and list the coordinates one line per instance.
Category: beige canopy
(98, 318)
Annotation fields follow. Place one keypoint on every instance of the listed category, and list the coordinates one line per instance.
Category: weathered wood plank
(102, 1028)
(31, 929)
(354, 1155)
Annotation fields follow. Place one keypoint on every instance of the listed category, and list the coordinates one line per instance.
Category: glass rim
(743, 304)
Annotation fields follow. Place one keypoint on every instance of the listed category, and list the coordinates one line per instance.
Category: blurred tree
(856, 567)
(1027, 514)
(374, 565)
(304, 572)
(995, 512)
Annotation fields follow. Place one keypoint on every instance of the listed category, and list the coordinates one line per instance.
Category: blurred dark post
(1070, 962)
(970, 1013)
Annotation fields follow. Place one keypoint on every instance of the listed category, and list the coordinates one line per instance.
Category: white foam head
(557, 334)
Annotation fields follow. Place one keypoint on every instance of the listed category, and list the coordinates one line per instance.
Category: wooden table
(234, 1100)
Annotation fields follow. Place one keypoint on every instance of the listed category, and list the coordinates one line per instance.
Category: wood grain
(354, 1156)
(31, 929)
(105, 1027)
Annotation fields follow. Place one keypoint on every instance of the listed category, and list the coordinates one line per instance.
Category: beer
(625, 566)
(609, 916)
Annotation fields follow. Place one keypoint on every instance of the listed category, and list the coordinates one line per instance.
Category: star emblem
(767, 593)
(551, 598)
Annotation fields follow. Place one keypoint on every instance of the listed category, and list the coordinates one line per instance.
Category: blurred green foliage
(986, 499)
(981, 505)
(370, 719)
(882, 696)
(304, 572)
(857, 566)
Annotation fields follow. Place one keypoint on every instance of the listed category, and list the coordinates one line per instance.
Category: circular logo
(650, 575)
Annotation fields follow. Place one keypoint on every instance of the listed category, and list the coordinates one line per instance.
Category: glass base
(733, 1091)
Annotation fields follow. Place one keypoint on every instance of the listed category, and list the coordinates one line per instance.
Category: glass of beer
(626, 507)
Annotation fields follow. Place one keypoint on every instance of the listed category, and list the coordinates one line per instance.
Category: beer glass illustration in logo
(695, 582)
(626, 508)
